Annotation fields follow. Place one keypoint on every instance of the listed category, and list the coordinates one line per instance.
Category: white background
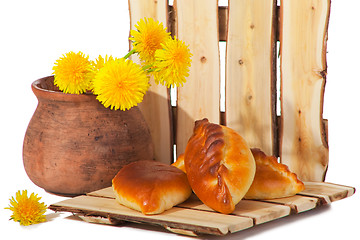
(33, 34)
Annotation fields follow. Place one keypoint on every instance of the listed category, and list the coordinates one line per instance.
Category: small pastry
(219, 165)
(272, 179)
(179, 163)
(150, 187)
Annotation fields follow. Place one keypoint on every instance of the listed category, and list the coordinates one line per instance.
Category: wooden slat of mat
(105, 192)
(193, 217)
(297, 203)
(259, 211)
(328, 192)
(340, 191)
(179, 218)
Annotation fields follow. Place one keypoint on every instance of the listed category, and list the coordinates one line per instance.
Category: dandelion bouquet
(119, 83)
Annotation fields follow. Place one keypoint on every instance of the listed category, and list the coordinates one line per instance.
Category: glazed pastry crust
(219, 165)
(272, 179)
(179, 163)
(150, 187)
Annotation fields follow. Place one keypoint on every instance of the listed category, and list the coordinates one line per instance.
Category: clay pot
(74, 145)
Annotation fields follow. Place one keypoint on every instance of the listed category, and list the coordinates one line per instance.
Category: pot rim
(41, 92)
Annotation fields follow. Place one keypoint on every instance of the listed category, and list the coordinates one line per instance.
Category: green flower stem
(151, 70)
(129, 54)
(147, 67)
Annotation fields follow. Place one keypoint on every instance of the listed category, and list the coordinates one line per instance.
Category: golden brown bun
(219, 165)
(272, 179)
(180, 163)
(150, 187)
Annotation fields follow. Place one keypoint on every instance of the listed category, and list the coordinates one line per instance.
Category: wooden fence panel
(303, 36)
(250, 29)
(250, 107)
(197, 25)
(156, 106)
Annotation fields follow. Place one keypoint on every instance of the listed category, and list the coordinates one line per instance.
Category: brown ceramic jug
(74, 145)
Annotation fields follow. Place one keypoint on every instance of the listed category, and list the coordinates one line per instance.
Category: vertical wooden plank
(197, 25)
(250, 106)
(156, 106)
(303, 36)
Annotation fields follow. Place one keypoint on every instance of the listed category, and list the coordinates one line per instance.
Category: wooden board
(222, 20)
(193, 217)
(197, 26)
(303, 36)
(250, 107)
(156, 101)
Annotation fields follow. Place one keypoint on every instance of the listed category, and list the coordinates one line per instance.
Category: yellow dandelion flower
(120, 84)
(73, 73)
(97, 65)
(100, 62)
(172, 63)
(148, 38)
(27, 210)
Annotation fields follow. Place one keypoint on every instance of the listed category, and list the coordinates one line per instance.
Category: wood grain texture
(156, 106)
(193, 217)
(261, 212)
(251, 72)
(197, 26)
(297, 203)
(187, 219)
(327, 191)
(222, 18)
(303, 36)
